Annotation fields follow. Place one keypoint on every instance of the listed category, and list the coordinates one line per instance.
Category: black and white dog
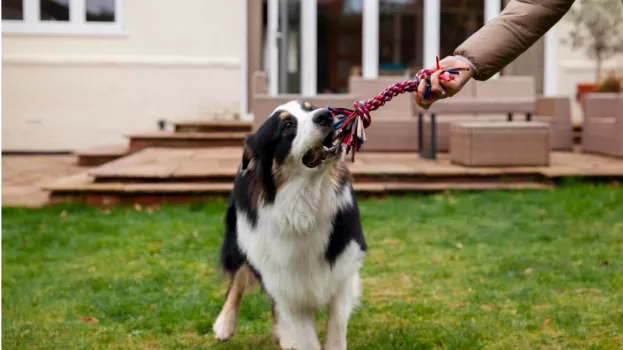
(293, 225)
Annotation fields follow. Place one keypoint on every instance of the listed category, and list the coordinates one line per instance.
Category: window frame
(77, 24)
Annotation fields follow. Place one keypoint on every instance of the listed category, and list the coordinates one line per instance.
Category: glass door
(339, 43)
(282, 24)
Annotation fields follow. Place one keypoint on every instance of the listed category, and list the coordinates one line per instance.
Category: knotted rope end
(351, 123)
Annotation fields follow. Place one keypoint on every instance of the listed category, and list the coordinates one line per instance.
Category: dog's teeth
(325, 148)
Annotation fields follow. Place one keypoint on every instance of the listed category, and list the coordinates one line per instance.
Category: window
(400, 38)
(61, 16)
(13, 9)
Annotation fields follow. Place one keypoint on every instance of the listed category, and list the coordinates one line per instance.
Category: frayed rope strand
(352, 122)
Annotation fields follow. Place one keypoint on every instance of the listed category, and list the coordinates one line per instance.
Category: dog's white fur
(288, 243)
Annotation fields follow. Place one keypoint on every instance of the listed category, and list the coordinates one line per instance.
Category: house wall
(575, 67)
(173, 62)
(530, 63)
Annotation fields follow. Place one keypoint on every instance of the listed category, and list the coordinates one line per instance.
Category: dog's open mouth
(317, 155)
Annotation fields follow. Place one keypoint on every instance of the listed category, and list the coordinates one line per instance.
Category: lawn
(496, 270)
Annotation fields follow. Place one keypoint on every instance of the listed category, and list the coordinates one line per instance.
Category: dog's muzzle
(329, 147)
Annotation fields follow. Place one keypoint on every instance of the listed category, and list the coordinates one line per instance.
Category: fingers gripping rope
(352, 122)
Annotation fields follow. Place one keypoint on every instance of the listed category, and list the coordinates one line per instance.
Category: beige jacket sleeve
(501, 40)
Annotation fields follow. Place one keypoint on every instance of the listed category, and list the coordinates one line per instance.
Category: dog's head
(295, 142)
(296, 138)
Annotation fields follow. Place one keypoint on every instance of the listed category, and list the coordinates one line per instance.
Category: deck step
(148, 174)
(186, 140)
(81, 188)
(178, 175)
(213, 126)
(97, 156)
(160, 165)
(219, 165)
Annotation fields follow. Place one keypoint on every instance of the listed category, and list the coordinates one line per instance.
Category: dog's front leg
(225, 325)
(297, 330)
(339, 312)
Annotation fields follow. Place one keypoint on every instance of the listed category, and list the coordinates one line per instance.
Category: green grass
(521, 270)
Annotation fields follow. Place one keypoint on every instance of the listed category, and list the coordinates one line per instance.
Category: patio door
(339, 43)
(282, 46)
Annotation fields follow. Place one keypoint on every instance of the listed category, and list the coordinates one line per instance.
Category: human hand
(445, 85)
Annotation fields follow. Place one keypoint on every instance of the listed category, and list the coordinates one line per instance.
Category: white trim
(309, 47)
(31, 12)
(370, 37)
(588, 64)
(244, 67)
(145, 61)
(492, 10)
(432, 16)
(77, 24)
(76, 11)
(272, 75)
(550, 67)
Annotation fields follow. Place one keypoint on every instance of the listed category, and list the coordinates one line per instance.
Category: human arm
(501, 40)
(498, 43)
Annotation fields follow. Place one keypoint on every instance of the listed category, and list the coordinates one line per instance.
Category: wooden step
(81, 188)
(97, 156)
(213, 126)
(220, 166)
(186, 140)
(148, 174)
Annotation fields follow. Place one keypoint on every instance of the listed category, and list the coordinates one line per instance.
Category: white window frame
(77, 24)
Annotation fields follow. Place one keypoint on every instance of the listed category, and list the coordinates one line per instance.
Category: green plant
(598, 29)
(610, 84)
(488, 270)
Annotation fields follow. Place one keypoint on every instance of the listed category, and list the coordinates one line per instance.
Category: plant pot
(584, 88)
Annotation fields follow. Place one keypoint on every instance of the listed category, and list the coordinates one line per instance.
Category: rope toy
(352, 122)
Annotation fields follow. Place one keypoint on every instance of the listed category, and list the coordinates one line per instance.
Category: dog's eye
(287, 125)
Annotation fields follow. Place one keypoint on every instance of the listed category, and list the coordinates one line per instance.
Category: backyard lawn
(496, 270)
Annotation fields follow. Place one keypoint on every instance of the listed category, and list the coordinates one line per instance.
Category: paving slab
(23, 176)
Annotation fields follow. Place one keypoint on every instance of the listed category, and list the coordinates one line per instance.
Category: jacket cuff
(468, 61)
(479, 73)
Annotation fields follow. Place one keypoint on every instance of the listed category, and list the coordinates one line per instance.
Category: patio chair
(603, 124)
(264, 104)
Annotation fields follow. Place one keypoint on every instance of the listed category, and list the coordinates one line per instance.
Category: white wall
(575, 67)
(65, 92)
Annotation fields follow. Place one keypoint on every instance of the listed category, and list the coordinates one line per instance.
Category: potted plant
(610, 84)
(597, 29)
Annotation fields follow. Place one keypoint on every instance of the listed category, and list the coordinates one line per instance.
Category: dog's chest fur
(288, 245)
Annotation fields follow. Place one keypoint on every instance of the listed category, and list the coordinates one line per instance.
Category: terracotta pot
(583, 88)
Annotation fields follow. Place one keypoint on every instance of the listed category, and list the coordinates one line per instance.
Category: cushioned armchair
(603, 124)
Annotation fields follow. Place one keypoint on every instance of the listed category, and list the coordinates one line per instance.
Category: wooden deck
(177, 175)
(180, 164)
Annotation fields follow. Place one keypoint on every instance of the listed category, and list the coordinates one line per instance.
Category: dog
(293, 227)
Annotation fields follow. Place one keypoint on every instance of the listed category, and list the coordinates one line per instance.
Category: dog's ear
(247, 153)
(263, 141)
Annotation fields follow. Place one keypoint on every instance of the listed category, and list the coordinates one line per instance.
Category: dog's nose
(323, 117)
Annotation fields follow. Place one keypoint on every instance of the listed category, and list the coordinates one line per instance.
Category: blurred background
(494, 219)
(84, 73)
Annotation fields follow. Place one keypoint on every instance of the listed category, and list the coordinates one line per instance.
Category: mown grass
(521, 270)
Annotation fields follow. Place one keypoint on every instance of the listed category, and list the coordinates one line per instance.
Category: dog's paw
(286, 342)
(334, 347)
(224, 327)
(334, 343)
